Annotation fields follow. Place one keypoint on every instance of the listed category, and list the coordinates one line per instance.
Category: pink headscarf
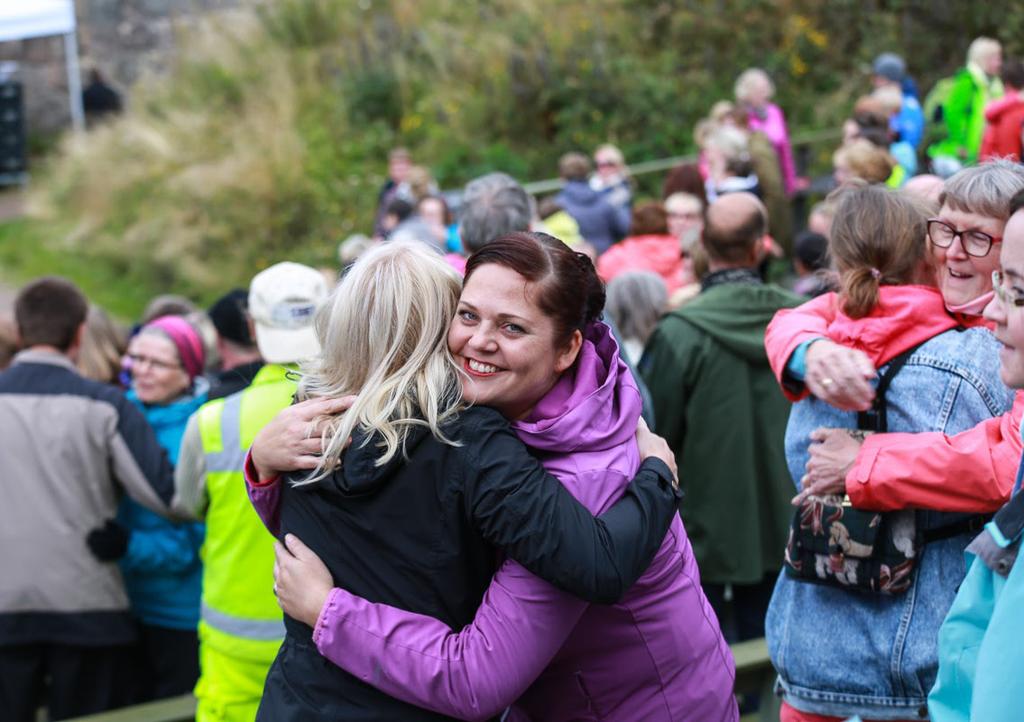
(186, 339)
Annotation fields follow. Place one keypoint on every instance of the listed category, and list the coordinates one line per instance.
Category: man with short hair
(493, 205)
(69, 447)
(601, 224)
(719, 408)
(236, 348)
(241, 626)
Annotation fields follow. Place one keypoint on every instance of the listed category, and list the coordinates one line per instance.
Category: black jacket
(427, 535)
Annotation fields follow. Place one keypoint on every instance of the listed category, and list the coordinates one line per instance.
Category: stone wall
(121, 38)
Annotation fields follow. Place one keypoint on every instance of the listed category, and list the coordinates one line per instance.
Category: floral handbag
(832, 543)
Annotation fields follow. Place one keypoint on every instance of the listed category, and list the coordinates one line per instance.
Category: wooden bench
(754, 674)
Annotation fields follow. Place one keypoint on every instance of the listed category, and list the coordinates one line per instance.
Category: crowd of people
(527, 459)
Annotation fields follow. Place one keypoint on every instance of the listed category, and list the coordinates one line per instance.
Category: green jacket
(963, 113)
(720, 409)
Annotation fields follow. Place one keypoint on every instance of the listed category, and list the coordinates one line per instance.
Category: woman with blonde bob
(420, 507)
(841, 651)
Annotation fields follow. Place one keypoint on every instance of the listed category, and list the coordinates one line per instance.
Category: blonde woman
(103, 344)
(432, 493)
(862, 160)
(754, 91)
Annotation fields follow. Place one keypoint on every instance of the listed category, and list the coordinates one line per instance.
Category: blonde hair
(748, 80)
(103, 344)
(383, 335)
(982, 48)
(877, 238)
(612, 151)
(865, 160)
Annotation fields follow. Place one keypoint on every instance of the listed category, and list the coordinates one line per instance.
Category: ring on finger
(826, 381)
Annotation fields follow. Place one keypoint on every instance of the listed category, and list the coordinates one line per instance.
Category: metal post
(74, 81)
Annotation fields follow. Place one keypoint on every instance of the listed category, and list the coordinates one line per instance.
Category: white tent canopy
(23, 19)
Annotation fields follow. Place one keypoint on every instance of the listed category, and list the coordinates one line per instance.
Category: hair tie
(876, 274)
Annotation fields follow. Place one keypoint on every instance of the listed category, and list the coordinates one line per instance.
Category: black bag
(832, 543)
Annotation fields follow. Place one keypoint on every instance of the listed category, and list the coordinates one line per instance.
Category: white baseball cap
(283, 301)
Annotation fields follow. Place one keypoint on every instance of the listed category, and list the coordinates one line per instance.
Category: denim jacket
(847, 653)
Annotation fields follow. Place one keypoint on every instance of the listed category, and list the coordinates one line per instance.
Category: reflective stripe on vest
(261, 629)
(231, 457)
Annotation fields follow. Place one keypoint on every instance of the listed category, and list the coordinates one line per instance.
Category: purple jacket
(657, 655)
(772, 123)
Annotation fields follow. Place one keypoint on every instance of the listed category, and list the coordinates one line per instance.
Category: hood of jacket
(998, 108)
(594, 406)
(359, 474)
(736, 315)
(904, 317)
(580, 193)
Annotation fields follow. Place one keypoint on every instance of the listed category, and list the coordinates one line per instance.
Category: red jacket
(894, 471)
(1005, 122)
(657, 253)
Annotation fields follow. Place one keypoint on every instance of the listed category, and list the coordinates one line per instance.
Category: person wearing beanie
(236, 344)
(159, 559)
(889, 71)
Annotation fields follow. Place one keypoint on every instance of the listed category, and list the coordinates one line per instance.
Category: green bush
(268, 139)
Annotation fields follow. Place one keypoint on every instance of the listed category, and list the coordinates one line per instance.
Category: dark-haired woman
(840, 652)
(532, 348)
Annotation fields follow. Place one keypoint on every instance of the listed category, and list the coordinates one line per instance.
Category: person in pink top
(894, 471)
(754, 91)
(656, 655)
(650, 247)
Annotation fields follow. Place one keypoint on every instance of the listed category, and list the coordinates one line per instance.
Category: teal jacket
(980, 649)
(162, 571)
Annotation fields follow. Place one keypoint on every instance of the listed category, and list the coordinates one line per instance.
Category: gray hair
(493, 206)
(981, 49)
(636, 301)
(984, 189)
(748, 80)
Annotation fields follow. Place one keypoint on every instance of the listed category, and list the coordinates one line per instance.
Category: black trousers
(167, 663)
(742, 617)
(70, 680)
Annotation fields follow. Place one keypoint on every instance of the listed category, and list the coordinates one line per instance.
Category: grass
(27, 251)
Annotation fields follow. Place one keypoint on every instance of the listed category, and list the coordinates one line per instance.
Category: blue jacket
(909, 122)
(601, 224)
(162, 570)
(980, 651)
(845, 653)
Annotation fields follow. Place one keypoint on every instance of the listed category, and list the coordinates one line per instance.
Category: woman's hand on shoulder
(840, 376)
(293, 440)
(302, 582)
(650, 444)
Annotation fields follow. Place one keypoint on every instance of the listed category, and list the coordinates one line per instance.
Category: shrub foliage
(267, 140)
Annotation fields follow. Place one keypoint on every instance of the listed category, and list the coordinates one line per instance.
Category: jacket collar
(31, 356)
(730, 275)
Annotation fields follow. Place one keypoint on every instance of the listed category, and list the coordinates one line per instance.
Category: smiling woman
(519, 323)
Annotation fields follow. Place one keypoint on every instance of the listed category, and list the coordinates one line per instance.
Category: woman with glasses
(842, 651)
(969, 472)
(611, 178)
(160, 559)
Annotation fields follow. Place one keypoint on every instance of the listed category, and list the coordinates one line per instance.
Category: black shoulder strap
(874, 419)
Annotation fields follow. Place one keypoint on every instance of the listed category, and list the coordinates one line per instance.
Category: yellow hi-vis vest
(239, 614)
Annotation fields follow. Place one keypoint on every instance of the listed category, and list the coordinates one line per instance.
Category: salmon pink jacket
(661, 254)
(894, 471)
(657, 655)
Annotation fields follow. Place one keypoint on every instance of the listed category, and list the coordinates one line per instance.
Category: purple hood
(594, 406)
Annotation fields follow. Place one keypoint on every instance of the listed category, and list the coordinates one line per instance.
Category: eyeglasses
(154, 363)
(975, 243)
(606, 164)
